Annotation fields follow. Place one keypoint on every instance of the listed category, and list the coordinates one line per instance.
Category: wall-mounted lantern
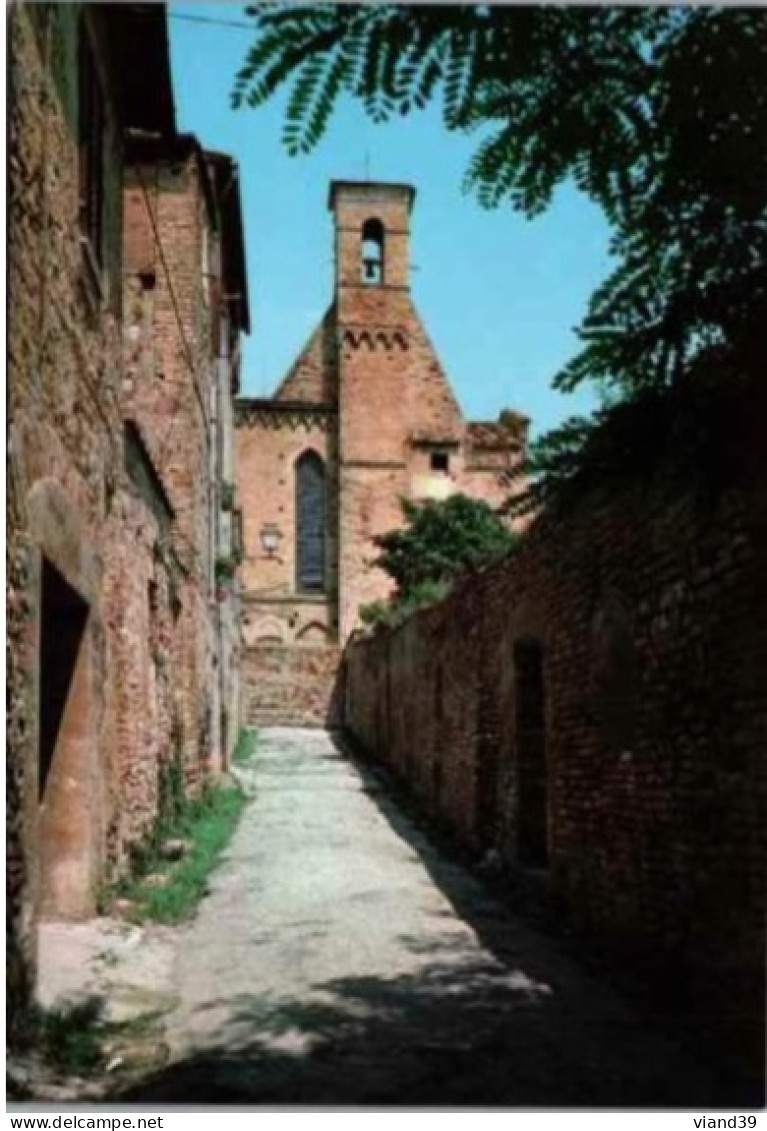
(271, 536)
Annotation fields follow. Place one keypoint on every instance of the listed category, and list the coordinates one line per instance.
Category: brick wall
(354, 203)
(269, 444)
(292, 685)
(166, 390)
(139, 603)
(648, 616)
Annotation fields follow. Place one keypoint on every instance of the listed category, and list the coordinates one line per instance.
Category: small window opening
(372, 266)
(440, 461)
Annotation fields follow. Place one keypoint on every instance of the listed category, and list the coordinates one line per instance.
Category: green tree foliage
(396, 611)
(659, 115)
(440, 541)
(653, 438)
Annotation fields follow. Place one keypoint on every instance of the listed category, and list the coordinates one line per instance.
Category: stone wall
(292, 685)
(110, 538)
(21, 731)
(64, 462)
(595, 707)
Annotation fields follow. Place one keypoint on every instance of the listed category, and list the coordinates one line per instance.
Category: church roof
(509, 430)
(311, 377)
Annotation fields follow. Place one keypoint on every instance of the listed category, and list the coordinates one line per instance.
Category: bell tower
(364, 418)
(375, 327)
(372, 245)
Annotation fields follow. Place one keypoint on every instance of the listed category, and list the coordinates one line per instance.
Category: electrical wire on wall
(196, 557)
(186, 349)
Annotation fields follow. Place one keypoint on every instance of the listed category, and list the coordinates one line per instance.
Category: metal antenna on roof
(367, 166)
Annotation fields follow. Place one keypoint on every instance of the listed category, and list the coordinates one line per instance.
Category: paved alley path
(329, 964)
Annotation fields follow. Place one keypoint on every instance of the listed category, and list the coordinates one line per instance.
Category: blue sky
(500, 295)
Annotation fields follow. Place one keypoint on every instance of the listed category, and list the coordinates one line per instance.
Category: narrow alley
(340, 959)
(485, 497)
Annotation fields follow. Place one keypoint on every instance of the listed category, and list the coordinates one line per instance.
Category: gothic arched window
(372, 265)
(310, 524)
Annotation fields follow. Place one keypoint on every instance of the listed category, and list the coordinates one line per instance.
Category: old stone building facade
(185, 270)
(365, 417)
(128, 296)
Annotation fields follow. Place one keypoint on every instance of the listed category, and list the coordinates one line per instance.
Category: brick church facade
(364, 417)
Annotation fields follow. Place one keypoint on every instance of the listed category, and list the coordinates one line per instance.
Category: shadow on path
(515, 1022)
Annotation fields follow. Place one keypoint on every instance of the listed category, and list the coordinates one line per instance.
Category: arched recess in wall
(530, 734)
(314, 633)
(310, 523)
(372, 263)
(265, 630)
(615, 672)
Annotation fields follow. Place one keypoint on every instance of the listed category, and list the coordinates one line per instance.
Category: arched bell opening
(372, 257)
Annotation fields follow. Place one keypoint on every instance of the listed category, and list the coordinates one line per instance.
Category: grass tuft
(208, 824)
(73, 1037)
(69, 1036)
(247, 745)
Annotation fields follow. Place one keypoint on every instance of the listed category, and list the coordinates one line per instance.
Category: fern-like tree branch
(658, 115)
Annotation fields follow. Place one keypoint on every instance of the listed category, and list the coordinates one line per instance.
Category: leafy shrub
(389, 614)
(440, 542)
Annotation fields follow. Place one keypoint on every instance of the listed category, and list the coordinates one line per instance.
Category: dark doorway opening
(63, 615)
(532, 809)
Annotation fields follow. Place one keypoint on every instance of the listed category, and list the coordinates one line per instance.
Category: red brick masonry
(651, 621)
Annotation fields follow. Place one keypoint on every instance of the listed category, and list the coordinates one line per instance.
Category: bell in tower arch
(372, 252)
